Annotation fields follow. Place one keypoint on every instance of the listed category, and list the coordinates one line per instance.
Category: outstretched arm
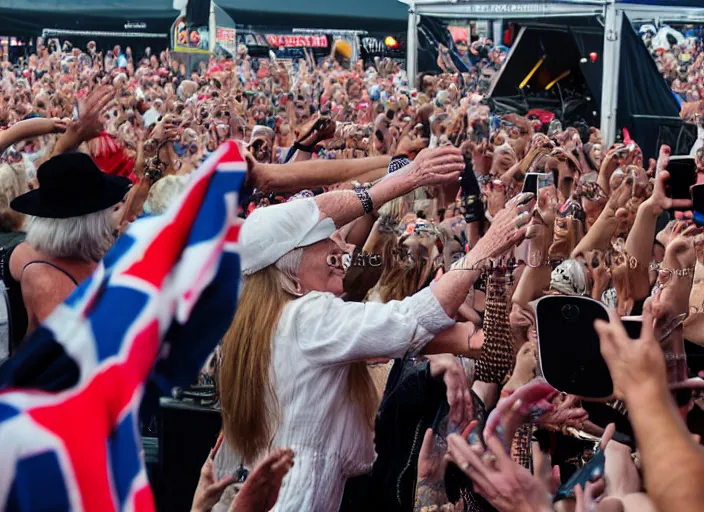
(297, 176)
(29, 129)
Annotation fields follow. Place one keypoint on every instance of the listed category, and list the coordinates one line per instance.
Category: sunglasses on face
(337, 261)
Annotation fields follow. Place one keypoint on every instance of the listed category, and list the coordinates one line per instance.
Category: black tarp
(29, 17)
(646, 104)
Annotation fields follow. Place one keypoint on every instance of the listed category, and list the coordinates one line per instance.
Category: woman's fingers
(470, 463)
(592, 491)
(468, 406)
(426, 448)
(452, 162)
(496, 447)
(219, 487)
(680, 203)
(608, 434)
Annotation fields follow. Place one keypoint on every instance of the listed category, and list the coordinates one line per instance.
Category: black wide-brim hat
(71, 185)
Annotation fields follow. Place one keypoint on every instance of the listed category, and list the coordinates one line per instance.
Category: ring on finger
(488, 458)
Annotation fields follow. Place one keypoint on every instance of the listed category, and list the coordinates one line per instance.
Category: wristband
(366, 200)
(398, 162)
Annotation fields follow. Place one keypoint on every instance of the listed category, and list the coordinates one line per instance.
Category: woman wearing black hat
(73, 217)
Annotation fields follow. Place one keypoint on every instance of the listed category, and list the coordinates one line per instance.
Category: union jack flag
(154, 309)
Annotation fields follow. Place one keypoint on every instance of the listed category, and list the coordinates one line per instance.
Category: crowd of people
(387, 352)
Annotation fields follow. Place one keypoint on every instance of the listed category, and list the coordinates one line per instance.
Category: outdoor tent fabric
(665, 3)
(362, 14)
(642, 91)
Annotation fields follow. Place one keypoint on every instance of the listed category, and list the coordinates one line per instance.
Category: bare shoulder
(44, 288)
(22, 255)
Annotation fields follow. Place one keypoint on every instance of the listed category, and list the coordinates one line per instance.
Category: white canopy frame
(611, 11)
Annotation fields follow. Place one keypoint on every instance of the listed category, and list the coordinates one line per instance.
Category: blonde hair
(13, 183)
(402, 278)
(164, 193)
(248, 402)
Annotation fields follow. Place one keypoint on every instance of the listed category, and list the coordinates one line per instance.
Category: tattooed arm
(430, 493)
(430, 486)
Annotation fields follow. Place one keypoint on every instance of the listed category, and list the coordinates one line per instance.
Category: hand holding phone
(534, 181)
(683, 173)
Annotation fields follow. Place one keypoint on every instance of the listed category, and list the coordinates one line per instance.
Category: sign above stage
(511, 10)
(297, 41)
(683, 11)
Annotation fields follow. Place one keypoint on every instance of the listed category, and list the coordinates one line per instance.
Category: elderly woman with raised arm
(292, 371)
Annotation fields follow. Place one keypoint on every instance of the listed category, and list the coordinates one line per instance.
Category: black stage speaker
(197, 12)
(187, 433)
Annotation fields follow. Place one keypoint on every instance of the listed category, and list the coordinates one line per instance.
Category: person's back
(46, 280)
(73, 217)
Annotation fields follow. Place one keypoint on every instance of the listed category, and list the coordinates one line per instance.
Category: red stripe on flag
(98, 406)
(233, 233)
(161, 255)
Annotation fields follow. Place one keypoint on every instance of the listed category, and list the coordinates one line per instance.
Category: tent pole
(612, 58)
(412, 46)
(212, 28)
(498, 31)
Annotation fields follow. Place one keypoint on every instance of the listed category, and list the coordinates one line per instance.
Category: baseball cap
(272, 232)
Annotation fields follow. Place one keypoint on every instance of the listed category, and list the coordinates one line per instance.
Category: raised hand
(526, 359)
(90, 111)
(530, 401)
(586, 500)
(61, 125)
(659, 200)
(410, 146)
(502, 482)
(455, 379)
(507, 229)
(435, 167)
(663, 158)
(209, 491)
(632, 363)
(261, 489)
(430, 486)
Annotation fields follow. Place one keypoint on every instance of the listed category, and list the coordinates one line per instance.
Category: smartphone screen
(534, 181)
(530, 183)
(683, 172)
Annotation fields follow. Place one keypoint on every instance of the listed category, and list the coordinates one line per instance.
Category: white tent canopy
(611, 11)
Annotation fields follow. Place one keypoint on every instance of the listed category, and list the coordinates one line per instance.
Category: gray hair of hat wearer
(569, 278)
(85, 238)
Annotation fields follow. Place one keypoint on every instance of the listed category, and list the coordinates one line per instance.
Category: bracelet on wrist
(366, 200)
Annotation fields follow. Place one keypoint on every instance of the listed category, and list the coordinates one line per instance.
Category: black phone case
(683, 173)
(568, 345)
(472, 205)
(530, 183)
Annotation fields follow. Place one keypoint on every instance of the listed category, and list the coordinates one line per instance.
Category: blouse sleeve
(331, 331)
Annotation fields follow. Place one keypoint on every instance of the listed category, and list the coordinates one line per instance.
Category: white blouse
(317, 335)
